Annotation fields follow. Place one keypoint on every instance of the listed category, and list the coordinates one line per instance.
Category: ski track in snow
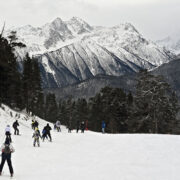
(90, 156)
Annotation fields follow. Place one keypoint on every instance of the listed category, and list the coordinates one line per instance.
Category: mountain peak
(78, 26)
(77, 20)
(127, 27)
(57, 21)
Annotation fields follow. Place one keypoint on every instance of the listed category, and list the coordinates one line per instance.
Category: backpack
(7, 149)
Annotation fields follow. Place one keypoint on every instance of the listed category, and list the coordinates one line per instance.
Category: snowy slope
(91, 156)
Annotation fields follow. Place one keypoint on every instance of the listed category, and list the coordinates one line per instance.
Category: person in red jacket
(7, 149)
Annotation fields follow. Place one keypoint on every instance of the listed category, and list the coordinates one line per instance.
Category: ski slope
(90, 156)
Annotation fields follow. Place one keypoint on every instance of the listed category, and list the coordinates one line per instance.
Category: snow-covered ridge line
(75, 51)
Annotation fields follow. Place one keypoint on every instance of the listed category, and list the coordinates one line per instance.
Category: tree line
(153, 108)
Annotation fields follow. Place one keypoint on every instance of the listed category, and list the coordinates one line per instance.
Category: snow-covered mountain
(90, 156)
(72, 51)
(171, 42)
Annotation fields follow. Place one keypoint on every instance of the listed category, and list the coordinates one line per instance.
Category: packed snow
(89, 156)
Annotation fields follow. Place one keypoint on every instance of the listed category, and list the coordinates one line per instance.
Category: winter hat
(7, 141)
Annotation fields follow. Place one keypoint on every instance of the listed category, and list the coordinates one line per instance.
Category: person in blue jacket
(103, 127)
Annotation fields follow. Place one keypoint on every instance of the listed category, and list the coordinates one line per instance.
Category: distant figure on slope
(58, 126)
(36, 124)
(44, 134)
(55, 126)
(82, 127)
(103, 125)
(15, 126)
(7, 149)
(36, 136)
(69, 126)
(8, 132)
(77, 126)
(48, 129)
(32, 124)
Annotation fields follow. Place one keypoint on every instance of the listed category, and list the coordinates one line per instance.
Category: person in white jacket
(6, 150)
(8, 132)
(58, 126)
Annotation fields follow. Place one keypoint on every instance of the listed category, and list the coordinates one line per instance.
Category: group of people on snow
(7, 147)
(80, 126)
(45, 134)
(8, 130)
(34, 124)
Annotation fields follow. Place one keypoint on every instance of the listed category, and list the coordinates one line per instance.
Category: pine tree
(10, 78)
(51, 108)
(154, 106)
(27, 83)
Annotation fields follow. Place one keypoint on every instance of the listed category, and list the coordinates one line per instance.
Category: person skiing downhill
(8, 132)
(36, 136)
(7, 149)
(15, 126)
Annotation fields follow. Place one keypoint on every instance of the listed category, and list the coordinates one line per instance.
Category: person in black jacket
(7, 149)
(15, 126)
(44, 135)
(77, 126)
(48, 129)
(36, 124)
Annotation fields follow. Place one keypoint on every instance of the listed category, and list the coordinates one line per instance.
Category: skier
(69, 127)
(77, 126)
(44, 134)
(7, 149)
(55, 126)
(8, 132)
(48, 129)
(58, 126)
(15, 125)
(82, 127)
(36, 136)
(103, 127)
(32, 124)
(36, 124)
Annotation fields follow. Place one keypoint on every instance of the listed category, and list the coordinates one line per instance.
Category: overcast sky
(155, 19)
